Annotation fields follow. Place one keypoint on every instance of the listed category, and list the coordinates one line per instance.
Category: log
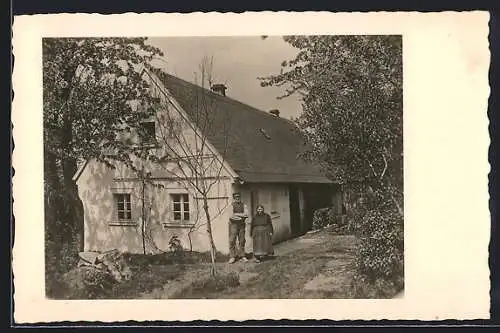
(88, 256)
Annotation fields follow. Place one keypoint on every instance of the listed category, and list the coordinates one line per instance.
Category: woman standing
(261, 229)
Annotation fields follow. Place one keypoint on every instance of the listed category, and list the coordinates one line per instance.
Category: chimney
(275, 112)
(219, 88)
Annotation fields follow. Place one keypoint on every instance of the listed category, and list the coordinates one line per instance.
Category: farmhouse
(200, 138)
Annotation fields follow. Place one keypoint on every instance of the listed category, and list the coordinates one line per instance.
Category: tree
(352, 98)
(91, 87)
(186, 155)
(351, 88)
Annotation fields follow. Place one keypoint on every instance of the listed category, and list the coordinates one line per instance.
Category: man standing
(237, 229)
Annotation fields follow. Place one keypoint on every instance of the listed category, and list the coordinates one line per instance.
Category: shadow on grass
(268, 258)
(171, 258)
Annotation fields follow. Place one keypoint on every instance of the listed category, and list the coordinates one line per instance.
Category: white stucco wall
(96, 187)
(274, 198)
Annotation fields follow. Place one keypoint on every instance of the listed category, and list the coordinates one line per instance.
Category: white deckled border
(447, 221)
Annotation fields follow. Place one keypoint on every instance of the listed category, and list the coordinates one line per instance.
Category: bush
(380, 253)
(325, 217)
(147, 272)
(322, 218)
(59, 259)
(175, 245)
(362, 287)
(87, 283)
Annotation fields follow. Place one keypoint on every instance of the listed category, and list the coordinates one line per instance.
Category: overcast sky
(238, 61)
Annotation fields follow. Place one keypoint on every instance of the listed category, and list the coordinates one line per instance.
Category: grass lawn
(149, 273)
(153, 272)
(319, 265)
(323, 269)
(285, 276)
(145, 279)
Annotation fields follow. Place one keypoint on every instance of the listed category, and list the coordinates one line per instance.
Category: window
(180, 203)
(147, 132)
(123, 207)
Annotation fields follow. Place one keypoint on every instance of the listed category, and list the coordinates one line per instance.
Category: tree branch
(385, 166)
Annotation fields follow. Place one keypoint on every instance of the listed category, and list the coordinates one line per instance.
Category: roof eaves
(78, 172)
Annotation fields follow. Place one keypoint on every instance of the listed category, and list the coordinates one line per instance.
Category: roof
(258, 146)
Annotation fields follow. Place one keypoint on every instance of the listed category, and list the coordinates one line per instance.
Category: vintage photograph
(252, 167)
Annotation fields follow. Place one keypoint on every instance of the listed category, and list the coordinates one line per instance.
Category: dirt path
(317, 265)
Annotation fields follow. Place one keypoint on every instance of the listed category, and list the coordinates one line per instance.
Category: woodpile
(110, 261)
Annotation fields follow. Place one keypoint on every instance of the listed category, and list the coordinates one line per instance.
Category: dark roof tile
(259, 146)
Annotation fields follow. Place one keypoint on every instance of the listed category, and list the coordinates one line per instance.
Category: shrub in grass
(175, 245)
(363, 287)
(325, 217)
(379, 257)
(87, 283)
(321, 218)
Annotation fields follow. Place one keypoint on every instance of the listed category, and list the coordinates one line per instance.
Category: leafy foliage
(325, 217)
(351, 88)
(381, 249)
(175, 245)
(86, 283)
(92, 88)
(379, 226)
(148, 272)
(365, 288)
(59, 259)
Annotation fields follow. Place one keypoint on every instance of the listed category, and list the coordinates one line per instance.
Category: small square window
(180, 205)
(147, 132)
(123, 207)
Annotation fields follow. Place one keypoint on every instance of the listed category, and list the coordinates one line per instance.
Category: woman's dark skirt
(262, 243)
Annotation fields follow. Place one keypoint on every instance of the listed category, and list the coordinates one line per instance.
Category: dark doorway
(308, 210)
(316, 196)
(294, 211)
